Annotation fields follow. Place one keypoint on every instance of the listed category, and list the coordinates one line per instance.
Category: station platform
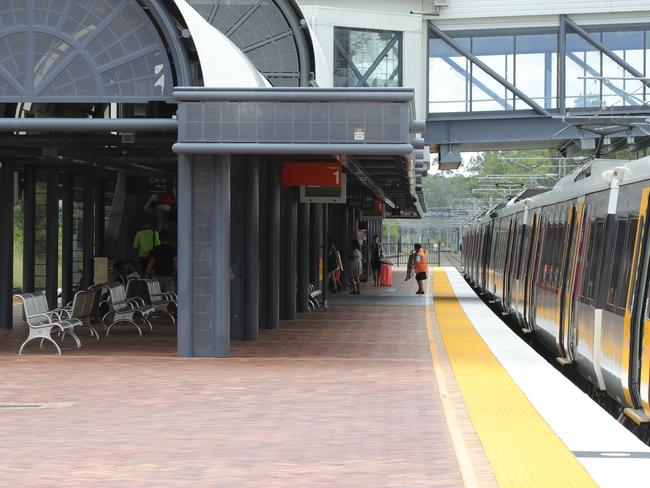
(386, 389)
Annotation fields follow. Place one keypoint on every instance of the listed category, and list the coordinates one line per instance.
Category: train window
(594, 260)
(617, 261)
(627, 263)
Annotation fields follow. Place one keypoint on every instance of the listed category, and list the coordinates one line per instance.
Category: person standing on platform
(163, 264)
(144, 242)
(377, 254)
(356, 267)
(333, 258)
(421, 267)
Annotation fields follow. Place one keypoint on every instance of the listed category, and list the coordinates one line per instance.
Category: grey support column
(315, 242)
(289, 253)
(204, 256)
(6, 244)
(272, 248)
(100, 213)
(52, 237)
(238, 248)
(252, 222)
(88, 232)
(66, 234)
(303, 243)
(29, 228)
(325, 250)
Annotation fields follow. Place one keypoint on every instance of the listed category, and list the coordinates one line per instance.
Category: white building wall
(324, 15)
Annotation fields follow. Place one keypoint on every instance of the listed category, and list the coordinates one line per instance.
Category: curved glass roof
(81, 51)
(269, 32)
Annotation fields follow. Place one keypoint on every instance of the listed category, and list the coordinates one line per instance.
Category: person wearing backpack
(144, 242)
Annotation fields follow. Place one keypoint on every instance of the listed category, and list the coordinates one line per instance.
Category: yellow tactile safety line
(521, 447)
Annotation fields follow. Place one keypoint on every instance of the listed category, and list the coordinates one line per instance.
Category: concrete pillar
(29, 228)
(204, 256)
(52, 237)
(66, 236)
(6, 244)
(289, 270)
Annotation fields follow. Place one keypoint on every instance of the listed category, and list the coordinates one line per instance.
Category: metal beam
(88, 125)
(292, 149)
(272, 249)
(202, 94)
(88, 231)
(496, 76)
(604, 49)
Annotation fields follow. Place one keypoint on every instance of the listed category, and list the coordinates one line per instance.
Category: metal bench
(82, 308)
(122, 310)
(149, 291)
(164, 302)
(314, 297)
(42, 321)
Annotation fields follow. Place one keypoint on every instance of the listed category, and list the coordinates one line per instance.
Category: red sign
(312, 174)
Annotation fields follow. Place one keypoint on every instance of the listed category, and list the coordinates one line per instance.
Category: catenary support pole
(29, 227)
(52, 237)
(6, 243)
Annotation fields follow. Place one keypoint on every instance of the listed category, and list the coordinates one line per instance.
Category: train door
(573, 218)
(636, 326)
(510, 258)
(574, 276)
(531, 268)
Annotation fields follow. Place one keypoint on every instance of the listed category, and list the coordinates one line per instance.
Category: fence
(398, 252)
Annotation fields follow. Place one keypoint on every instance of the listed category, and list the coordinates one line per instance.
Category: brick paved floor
(341, 398)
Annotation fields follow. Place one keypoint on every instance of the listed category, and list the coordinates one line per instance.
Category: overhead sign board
(319, 174)
(324, 194)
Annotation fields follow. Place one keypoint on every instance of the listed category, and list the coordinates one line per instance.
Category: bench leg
(108, 330)
(44, 335)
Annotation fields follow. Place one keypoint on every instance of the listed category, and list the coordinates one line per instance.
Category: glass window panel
(629, 46)
(536, 69)
(487, 93)
(367, 58)
(448, 82)
(583, 60)
(448, 77)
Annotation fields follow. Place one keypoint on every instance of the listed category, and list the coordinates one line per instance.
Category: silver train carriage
(570, 266)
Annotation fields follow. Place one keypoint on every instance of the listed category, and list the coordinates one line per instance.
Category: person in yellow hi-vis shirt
(143, 243)
(421, 267)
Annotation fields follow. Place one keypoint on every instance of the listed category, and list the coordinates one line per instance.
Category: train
(569, 266)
